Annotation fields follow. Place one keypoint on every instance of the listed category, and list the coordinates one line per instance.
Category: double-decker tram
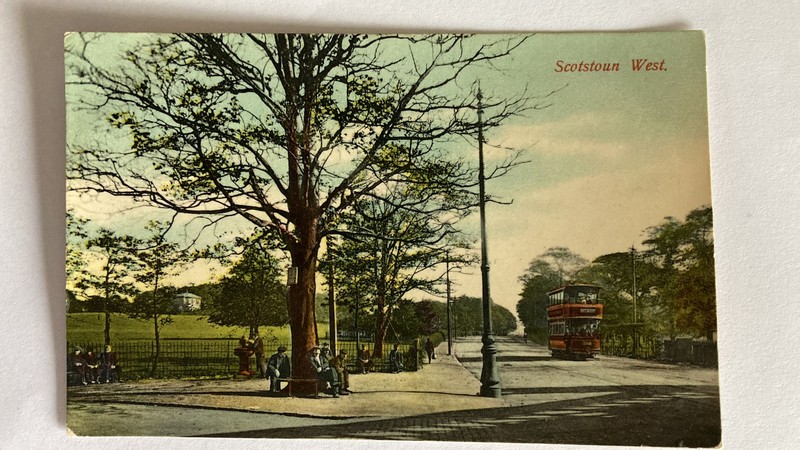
(574, 316)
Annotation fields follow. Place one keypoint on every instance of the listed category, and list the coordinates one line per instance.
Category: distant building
(186, 301)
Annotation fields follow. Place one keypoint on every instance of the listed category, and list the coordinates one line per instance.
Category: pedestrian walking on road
(430, 350)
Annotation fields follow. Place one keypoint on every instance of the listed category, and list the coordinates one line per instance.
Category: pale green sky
(614, 154)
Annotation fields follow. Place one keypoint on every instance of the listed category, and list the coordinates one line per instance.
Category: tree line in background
(674, 279)
(111, 273)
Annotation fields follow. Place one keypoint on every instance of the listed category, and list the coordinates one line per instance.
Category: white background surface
(753, 81)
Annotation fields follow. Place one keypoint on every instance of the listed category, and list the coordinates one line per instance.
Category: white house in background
(186, 301)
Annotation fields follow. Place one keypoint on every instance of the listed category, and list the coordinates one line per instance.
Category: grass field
(88, 327)
(193, 355)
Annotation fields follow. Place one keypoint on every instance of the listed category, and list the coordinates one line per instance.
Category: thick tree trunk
(301, 315)
(381, 328)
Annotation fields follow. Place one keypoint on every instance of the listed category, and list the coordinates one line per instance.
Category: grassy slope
(88, 327)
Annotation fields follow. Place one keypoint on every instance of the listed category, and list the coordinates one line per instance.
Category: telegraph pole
(449, 309)
(331, 299)
(635, 312)
(490, 378)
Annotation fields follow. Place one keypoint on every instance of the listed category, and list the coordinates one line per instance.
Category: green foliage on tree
(158, 259)
(675, 290)
(683, 252)
(468, 317)
(391, 247)
(285, 131)
(106, 290)
(252, 293)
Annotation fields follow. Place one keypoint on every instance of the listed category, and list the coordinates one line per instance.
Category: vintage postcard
(291, 236)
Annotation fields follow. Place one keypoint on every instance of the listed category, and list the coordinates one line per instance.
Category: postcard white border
(753, 96)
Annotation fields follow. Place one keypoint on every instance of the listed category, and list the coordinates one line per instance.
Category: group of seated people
(331, 370)
(332, 373)
(92, 368)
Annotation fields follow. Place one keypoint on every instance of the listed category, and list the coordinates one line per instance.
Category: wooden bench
(291, 380)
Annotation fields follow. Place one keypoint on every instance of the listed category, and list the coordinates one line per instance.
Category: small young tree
(159, 258)
(252, 293)
(111, 285)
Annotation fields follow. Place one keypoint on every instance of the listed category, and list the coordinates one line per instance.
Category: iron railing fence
(180, 358)
(658, 348)
(648, 347)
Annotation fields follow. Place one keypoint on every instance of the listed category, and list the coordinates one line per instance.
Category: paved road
(612, 401)
(616, 401)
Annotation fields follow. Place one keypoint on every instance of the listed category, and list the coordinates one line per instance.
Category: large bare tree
(285, 131)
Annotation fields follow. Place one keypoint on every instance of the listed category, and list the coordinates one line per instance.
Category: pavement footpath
(444, 385)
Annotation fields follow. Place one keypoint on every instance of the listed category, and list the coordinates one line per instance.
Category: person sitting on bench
(78, 364)
(364, 360)
(92, 366)
(279, 367)
(324, 371)
(339, 364)
(395, 360)
(109, 371)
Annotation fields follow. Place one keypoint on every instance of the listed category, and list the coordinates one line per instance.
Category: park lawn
(88, 328)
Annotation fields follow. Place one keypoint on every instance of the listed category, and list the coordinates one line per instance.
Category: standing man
(258, 349)
(279, 367)
(429, 349)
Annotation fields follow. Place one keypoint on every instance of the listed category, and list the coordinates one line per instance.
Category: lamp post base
(490, 379)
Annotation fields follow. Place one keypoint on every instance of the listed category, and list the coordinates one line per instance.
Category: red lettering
(638, 64)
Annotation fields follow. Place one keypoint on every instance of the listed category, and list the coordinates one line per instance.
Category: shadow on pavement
(698, 391)
(500, 358)
(622, 417)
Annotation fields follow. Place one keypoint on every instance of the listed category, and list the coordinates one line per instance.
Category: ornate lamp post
(490, 379)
